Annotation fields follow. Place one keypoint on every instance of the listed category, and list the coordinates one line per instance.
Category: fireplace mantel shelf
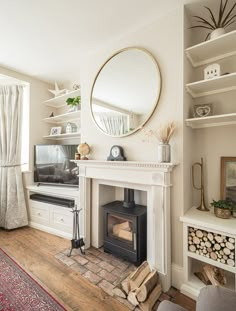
(167, 167)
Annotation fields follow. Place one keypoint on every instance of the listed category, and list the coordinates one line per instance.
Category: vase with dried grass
(164, 149)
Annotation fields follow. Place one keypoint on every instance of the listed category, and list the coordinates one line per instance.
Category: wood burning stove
(125, 229)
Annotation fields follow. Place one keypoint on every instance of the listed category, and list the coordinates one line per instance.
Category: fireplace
(125, 229)
(152, 178)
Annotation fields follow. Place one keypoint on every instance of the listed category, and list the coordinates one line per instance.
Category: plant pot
(217, 33)
(74, 108)
(222, 212)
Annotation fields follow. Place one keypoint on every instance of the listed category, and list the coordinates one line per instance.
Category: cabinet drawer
(61, 219)
(40, 215)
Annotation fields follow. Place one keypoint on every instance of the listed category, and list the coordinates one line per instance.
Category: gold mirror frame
(154, 104)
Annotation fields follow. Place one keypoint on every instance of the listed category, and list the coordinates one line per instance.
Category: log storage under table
(212, 245)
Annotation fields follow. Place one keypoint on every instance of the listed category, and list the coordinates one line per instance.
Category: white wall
(164, 39)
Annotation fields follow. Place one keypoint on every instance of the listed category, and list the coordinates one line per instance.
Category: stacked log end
(142, 288)
(212, 245)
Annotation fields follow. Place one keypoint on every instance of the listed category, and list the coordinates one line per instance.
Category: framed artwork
(201, 111)
(228, 178)
(55, 130)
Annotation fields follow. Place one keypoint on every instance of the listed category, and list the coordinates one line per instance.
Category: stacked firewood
(142, 288)
(212, 245)
(211, 275)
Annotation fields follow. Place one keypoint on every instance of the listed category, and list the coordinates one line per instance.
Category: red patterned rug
(20, 292)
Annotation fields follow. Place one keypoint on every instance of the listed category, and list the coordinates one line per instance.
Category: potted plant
(164, 135)
(222, 208)
(217, 24)
(73, 103)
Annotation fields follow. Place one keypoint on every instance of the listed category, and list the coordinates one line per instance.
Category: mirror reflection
(125, 92)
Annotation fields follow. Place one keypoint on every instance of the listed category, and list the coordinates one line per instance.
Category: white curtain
(13, 213)
(113, 124)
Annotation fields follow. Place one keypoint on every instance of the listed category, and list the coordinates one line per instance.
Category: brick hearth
(105, 271)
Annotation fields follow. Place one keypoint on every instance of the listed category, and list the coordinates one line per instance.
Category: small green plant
(224, 204)
(74, 101)
(223, 20)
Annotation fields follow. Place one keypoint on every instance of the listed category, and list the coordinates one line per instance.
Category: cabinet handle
(62, 220)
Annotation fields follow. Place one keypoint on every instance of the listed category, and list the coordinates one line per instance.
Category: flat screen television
(52, 165)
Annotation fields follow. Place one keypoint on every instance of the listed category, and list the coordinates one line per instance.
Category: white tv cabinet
(52, 218)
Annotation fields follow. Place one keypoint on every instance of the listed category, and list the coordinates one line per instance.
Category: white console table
(207, 223)
(52, 218)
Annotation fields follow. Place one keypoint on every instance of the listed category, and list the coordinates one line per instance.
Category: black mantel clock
(116, 154)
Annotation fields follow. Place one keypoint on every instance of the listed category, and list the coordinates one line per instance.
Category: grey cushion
(216, 298)
(166, 305)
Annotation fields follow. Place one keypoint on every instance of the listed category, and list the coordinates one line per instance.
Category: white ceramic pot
(217, 33)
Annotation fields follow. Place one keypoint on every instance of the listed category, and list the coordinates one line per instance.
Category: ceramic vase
(163, 153)
(217, 33)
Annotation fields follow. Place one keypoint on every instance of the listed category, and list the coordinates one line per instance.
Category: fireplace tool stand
(77, 241)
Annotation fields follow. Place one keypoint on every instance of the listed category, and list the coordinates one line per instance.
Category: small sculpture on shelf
(56, 92)
(51, 115)
(70, 128)
(212, 71)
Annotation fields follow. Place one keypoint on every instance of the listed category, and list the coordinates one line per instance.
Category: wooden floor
(35, 251)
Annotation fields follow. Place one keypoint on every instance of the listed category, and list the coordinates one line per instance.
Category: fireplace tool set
(77, 241)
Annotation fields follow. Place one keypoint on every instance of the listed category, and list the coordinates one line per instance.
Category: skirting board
(177, 276)
(51, 230)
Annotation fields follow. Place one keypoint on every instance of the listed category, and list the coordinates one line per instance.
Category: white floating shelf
(212, 50)
(70, 116)
(63, 136)
(60, 101)
(211, 121)
(212, 86)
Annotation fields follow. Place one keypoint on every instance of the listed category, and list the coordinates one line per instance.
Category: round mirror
(125, 92)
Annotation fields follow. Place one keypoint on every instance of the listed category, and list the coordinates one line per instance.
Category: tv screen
(52, 164)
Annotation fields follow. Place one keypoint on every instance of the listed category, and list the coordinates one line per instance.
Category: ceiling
(48, 39)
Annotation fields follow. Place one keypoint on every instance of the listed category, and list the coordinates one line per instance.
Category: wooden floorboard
(35, 251)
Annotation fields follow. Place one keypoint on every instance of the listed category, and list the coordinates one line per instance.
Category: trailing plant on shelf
(73, 101)
(217, 24)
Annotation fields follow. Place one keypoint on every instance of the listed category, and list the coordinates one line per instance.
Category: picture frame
(202, 110)
(55, 130)
(228, 178)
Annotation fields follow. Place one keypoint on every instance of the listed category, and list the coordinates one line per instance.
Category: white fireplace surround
(152, 177)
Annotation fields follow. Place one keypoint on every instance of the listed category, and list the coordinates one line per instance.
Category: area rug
(19, 291)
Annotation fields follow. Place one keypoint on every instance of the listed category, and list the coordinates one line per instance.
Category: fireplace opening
(125, 228)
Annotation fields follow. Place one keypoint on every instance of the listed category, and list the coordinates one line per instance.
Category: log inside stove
(120, 228)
